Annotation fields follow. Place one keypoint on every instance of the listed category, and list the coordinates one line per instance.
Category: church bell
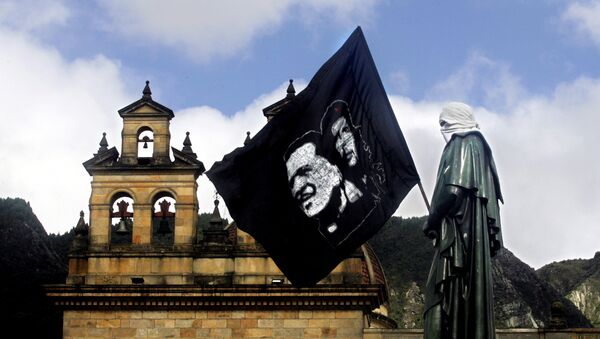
(122, 227)
(163, 227)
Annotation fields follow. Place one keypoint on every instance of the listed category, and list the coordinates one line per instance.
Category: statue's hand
(429, 231)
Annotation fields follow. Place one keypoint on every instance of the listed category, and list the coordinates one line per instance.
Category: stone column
(142, 224)
(99, 226)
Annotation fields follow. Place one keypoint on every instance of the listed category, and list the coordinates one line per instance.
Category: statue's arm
(448, 204)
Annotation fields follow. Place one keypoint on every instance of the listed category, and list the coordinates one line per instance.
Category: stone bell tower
(142, 203)
(142, 268)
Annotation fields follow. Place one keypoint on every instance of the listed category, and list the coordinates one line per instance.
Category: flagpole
(424, 197)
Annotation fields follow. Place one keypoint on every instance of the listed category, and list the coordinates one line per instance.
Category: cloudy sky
(531, 69)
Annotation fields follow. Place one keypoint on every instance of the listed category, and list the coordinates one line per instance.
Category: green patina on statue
(465, 223)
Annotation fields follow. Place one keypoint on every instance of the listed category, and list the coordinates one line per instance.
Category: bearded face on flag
(326, 174)
(312, 178)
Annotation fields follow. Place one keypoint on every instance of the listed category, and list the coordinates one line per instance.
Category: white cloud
(53, 113)
(205, 30)
(584, 18)
(544, 151)
(29, 15)
(489, 81)
(551, 179)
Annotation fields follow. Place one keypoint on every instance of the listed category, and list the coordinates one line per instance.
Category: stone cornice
(199, 251)
(111, 297)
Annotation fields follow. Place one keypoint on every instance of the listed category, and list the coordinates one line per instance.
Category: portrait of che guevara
(331, 175)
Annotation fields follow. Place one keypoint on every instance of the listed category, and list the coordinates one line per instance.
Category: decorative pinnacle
(247, 138)
(216, 216)
(103, 143)
(291, 91)
(147, 93)
(187, 145)
(187, 141)
(81, 228)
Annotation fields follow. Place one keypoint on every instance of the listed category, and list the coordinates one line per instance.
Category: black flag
(323, 175)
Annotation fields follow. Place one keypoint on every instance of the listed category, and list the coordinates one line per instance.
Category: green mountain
(405, 255)
(29, 260)
(579, 281)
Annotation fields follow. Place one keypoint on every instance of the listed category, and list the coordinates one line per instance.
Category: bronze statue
(465, 223)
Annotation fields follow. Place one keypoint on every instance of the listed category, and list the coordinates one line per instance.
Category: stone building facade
(143, 268)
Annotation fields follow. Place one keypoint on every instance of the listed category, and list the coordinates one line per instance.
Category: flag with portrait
(325, 173)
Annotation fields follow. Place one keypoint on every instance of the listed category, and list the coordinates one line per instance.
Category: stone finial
(216, 219)
(147, 93)
(103, 144)
(291, 91)
(215, 234)
(274, 109)
(247, 141)
(80, 242)
(81, 228)
(187, 145)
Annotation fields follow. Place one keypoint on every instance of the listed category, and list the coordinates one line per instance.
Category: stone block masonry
(213, 324)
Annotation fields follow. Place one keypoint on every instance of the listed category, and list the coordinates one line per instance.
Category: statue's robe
(459, 301)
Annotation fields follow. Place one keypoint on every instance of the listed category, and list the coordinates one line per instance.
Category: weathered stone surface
(266, 323)
(348, 314)
(288, 332)
(184, 323)
(347, 323)
(412, 312)
(295, 323)
(168, 332)
(187, 333)
(108, 323)
(319, 323)
(249, 323)
(586, 296)
(154, 315)
(141, 323)
(214, 323)
(123, 332)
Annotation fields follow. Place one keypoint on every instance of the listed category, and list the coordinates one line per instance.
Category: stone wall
(213, 324)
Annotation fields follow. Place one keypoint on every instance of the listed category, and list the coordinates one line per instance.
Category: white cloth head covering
(457, 118)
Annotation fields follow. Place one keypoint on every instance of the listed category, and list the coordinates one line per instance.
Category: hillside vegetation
(30, 258)
(579, 281)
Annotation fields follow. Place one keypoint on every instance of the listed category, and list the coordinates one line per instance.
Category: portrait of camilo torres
(331, 175)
